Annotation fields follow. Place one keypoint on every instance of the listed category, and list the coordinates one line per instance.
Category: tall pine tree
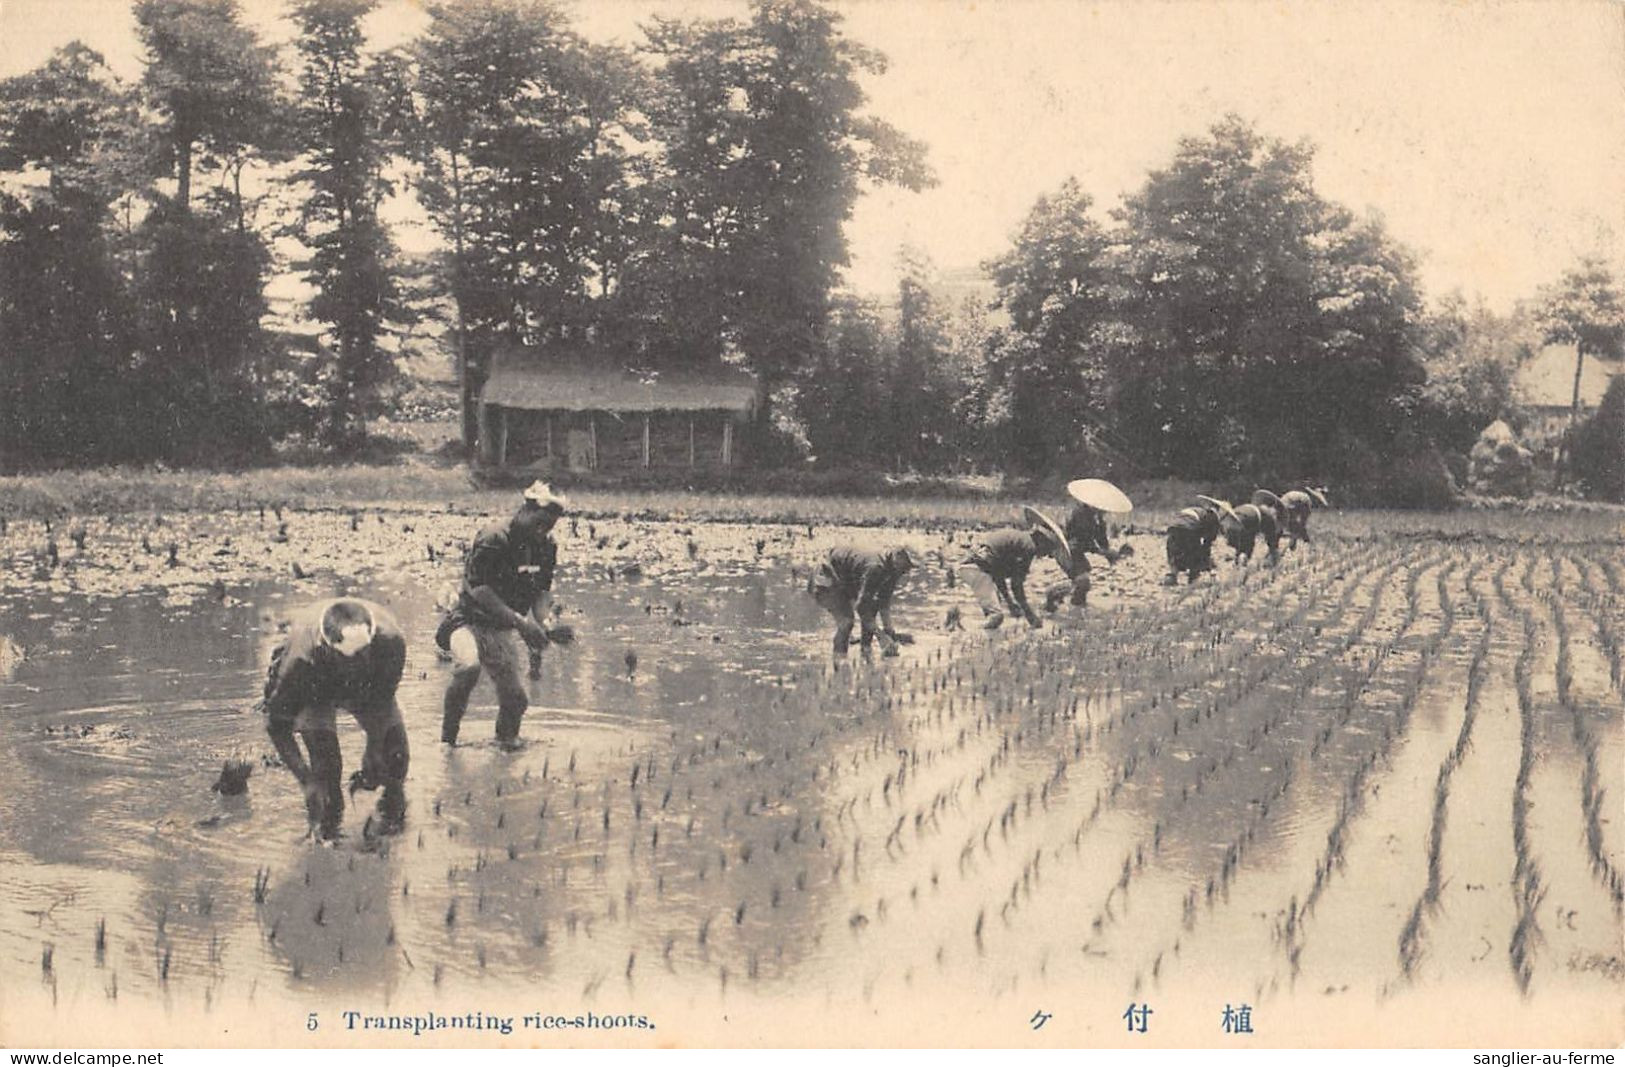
(337, 130)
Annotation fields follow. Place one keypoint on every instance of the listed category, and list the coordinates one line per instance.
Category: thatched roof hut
(1544, 384)
(582, 408)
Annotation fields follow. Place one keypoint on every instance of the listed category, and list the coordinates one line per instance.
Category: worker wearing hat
(1190, 540)
(1297, 505)
(996, 570)
(507, 584)
(1245, 524)
(1086, 530)
(340, 653)
(861, 579)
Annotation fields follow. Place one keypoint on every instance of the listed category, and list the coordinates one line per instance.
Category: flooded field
(1384, 774)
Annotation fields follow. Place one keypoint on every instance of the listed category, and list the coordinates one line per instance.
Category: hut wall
(527, 437)
(619, 437)
(669, 439)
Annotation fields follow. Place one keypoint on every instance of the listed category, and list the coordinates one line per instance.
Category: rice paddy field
(1372, 793)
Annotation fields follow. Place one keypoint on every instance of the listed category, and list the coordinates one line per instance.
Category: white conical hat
(1101, 495)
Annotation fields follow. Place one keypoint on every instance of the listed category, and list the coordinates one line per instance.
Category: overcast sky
(1490, 136)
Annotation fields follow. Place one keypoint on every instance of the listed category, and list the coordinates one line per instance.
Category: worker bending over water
(861, 579)
(345, 653)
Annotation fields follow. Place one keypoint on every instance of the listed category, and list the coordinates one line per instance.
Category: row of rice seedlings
(1352, 801)
(1128, 762)
(1158, 691)
(1591, 791)
(1526, 878)
(1251, 683)
(1218, 884)
(1598, 608)
(1410, 938)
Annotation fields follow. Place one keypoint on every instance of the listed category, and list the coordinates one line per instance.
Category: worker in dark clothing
(1086, 532)
(1297, 505)
(861, 579)
(996, 571)
(342, 653)
(1190, 542)
(1243, 527)
(507, 583)
(1270, 504)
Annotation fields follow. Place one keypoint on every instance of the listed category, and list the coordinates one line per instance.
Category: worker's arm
(486, 563)
(1018, 592)
(871, 593)
(1018, 589)
(538, 613)
(384, 676)
(487, 599)
(541, 581)
(282, 739)
(285, 692)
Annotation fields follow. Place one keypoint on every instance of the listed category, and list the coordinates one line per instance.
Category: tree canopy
(684, 201)
(1269, 327)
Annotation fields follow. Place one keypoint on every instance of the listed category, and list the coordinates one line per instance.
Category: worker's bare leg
(986, 591)
(465, 655)
(504, 656)
(384, 763)
(324, 803)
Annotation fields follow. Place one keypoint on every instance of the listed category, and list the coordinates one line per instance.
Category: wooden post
(592, 439)
(727, 441)
(482, 419)
(501, 437)
(645, 440)
(691, 440)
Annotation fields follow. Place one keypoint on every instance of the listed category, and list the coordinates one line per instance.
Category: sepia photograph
(534, 524)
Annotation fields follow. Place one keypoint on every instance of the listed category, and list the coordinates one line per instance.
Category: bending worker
(507, 584)
(996, 571)
(340, 653)
(1245, 524)
(1190, 542)
(1086, 532)
(855, 578)
(1297, 505)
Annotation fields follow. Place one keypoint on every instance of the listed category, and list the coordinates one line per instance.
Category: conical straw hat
(1100, 494)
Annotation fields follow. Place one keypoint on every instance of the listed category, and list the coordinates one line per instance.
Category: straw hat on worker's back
(1040, 521)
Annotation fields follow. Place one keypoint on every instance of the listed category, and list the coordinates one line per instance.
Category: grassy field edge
(422, 487)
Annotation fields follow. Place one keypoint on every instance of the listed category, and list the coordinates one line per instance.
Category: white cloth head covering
(542, 495)
(353, 636)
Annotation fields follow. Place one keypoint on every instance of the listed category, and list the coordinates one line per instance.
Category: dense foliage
(683, 201)
(1598, 447)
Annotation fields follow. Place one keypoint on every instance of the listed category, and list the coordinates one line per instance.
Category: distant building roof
(1546, 380)
(539, 380)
